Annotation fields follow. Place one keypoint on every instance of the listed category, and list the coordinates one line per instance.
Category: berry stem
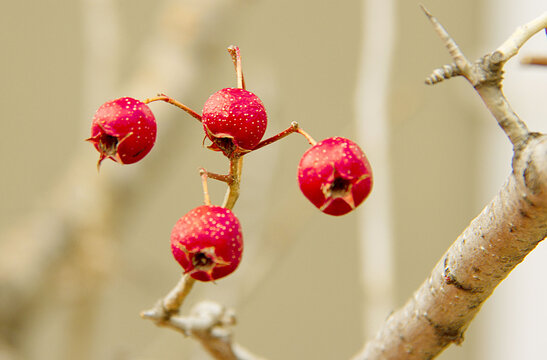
(307, 136)
(236, 58)
(228, 179)
(206, 197)
(167, 99)
(173, 301)
(236, 164)
(291, 129)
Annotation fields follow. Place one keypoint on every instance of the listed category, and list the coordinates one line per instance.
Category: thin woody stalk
(232, 194)
(236, 58)
(236, 162)
(172, 101)
(294, 128)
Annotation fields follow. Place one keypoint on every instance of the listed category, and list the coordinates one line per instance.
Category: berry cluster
(334, 174)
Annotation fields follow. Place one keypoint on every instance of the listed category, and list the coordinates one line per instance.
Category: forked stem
(167, 99)
(236, 58)
(233, 180)
(228, 179)
(486, 75)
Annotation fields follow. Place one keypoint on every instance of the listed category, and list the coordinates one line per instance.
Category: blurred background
(82, 253)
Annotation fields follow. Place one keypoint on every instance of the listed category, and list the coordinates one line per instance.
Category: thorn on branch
(443, 73)
(457, 55)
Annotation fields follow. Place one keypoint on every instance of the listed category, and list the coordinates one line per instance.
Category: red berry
(123, 130)
(207, 242)
(234, 120)
(335, 175)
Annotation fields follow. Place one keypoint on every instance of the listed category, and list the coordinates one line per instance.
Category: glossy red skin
(331, 159)
(237, 114)
(213, 230)
(131, 122)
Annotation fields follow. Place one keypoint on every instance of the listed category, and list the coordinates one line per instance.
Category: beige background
(297, 293)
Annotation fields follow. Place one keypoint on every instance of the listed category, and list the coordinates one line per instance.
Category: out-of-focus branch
(53, 238)
(372, 106)
(495, 242)
(7, 352)
(42, 246)
(534, 60)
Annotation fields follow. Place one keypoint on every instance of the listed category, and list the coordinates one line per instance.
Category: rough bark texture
(495, 242)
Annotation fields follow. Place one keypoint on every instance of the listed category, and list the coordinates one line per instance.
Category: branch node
(496, 57)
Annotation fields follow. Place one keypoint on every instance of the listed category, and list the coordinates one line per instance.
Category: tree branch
(482, 256)
(521, 35)
(211, 324)
(495, 242)
(486, 74)
(208, 322)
